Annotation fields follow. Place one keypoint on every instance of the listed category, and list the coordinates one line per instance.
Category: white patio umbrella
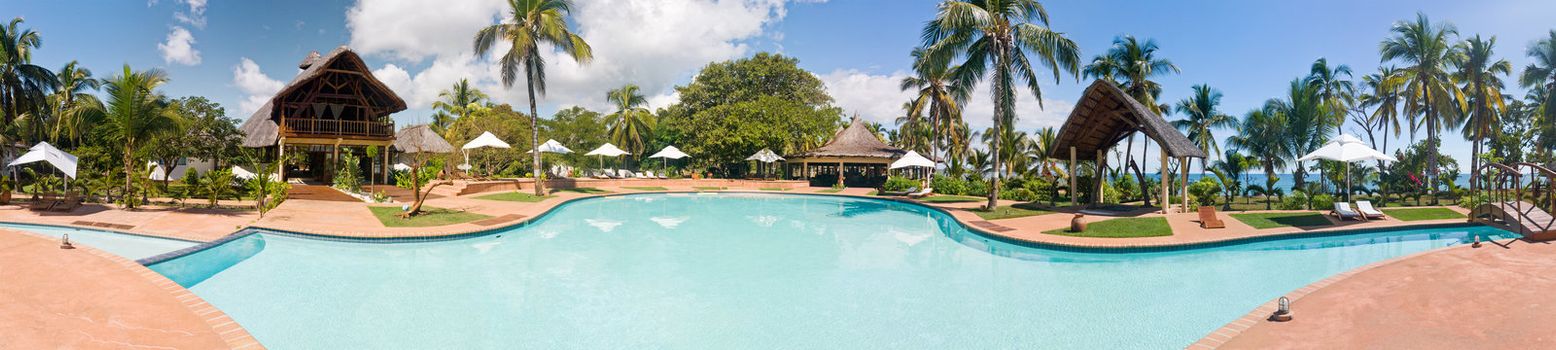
(44, 152)
(401, 167)
(606, 150)
(551, 146)
(1347, 149)
(485, 140)
(912, 160)
(242, 174)
(765, 156)
(669, 152)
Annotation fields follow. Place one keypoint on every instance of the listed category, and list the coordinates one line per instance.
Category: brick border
(224, 327)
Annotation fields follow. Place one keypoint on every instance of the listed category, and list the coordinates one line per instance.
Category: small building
(1105, 116)
(334, 106)
(855, 157)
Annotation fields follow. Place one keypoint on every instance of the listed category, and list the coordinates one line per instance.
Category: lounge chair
(899, 193)
(68, 204)
(921, 194)
(660, 175)
(1366, 209)
(1208, 219)
(43, 205)
(1343, 211)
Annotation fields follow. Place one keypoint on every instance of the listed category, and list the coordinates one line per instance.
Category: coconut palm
(1540, 75)
(1260, 135)
(1381, 92)
(1230, 170)
(1426, 50)
(1478, 72)
(1307, 119)
(136, 113)
(1201, 119)
(913, 130)
(632, 122)
(1134, 64)
(23, 86)
(997, 37)
(75, 106)
(531, 23)
(937, 94)
(1334, 87)
(458, 101)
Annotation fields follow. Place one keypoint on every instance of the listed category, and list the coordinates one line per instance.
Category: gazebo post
(1183, 162)
(840, 173)
(281, 159)
(1096, 199)
(1162, 169)
(1072, 176)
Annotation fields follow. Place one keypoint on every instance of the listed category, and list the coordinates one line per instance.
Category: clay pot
(1078, 223)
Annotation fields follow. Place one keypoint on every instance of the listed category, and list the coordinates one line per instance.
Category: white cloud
(179, 47)
(876, 98)
(195, 16)
(257, 87)
(415, 30)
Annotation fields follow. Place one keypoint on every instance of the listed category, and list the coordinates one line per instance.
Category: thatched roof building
(1106, 115)
(421, 139)
(854, 141)
(855, 157)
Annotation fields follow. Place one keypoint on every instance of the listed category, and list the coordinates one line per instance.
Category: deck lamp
(1283, 313)
(64, 242)
(1477, 242)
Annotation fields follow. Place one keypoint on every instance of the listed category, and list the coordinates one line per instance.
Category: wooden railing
(305, 126)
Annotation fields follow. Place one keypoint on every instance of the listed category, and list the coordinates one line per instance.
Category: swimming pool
(754, 271)
(131, 247)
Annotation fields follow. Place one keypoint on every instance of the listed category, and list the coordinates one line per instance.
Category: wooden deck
(318, 193)
(1523, 217)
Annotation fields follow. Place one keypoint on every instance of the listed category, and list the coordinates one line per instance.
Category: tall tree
(1307, 120)
(1540, 78)
(1478, 71)
(996, 37)
(938, 95)
(1135, 64)
(24, 86)
(529, 24)
(1260, 135)
(1381, 92)
(457, 101)
(1202, 117)
(631, 124)
(75, 106)
(1334, 87)
(137, 112)
(1426, 49)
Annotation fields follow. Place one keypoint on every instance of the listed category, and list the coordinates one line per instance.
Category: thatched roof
(856, 140)
(260, 129)
(421, 139)
(1106, 115)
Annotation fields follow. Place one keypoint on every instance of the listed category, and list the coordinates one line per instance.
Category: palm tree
(1043, 143)
(1478, 71)
(136, 113)
(1383, 94)
(75, 106)
(1202, 118)
(1230, 170)
(1337, 92)
(23, 86)
(632, 122)
(1540, 75)
(1429, 89)
(937, 94)
(1260, 135)
(996, 38)
(1307, 121)
(458, 101)
(1135, 63)
(531, 23)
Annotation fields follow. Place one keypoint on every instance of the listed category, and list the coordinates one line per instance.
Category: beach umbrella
(669, 152)
(551, 146)
(765, 156)
(402, 167)
(485, 140)
(912, 160)
(606, 150)
(44, 152)
(242, 174)
(1347, 149)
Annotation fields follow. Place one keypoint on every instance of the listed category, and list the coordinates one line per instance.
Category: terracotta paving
(86, 298)
(318, 193)
(189, 223)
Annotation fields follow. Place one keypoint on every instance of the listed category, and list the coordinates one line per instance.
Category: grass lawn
(1009, 211)
(1416, 214)
(951, 198)
(773, 189)
(647, 188)
(707, 188)
(429, 217)
(1273, 220)
(514, 197)
(1121, 228)
(588, 190)
(830, 190)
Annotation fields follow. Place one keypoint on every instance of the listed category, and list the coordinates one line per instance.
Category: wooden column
(1072, 176)
(1183, 162)
(840, 174)
(334, 159)
(1100, 178)
(280, 160)
(386, 166)
(1162, 182)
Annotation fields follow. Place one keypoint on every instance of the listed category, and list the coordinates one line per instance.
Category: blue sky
(242, 50)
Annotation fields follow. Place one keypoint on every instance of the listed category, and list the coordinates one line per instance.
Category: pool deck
(353, 219)
(87, 298)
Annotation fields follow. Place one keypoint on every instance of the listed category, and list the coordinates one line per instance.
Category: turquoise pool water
(128, 246)
(754, 271)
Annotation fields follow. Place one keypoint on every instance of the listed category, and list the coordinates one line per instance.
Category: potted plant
(5, 190)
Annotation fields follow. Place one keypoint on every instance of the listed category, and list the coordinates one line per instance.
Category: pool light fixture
(1283, 313)
(64, 242)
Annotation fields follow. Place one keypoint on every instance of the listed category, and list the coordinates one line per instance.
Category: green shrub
(977, 187)
(898, 183)
(1295, 201)
(948, 185)
(1321, 201)
(1040, 188)
(1126, 187)
(1018, 194)
(1204, 191)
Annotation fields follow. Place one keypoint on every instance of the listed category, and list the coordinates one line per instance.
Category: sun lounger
(1366, 209)
(660, 175)
(1343, 211)
(1208, 219)
(899, 193)
(43, 205)
(921, 194)
(68, 204)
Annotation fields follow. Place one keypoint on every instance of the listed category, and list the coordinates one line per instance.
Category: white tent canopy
(485, 140)
(1347, 148)
(912, 159)
(44, 152)
(670, 152)
(765, 155)
(606, 150)
(242, 174)
(401, 167)
(551, 146)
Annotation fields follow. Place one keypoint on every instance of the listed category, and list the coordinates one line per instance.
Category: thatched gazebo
(1105, 116)
(334, 102)
(854, 157)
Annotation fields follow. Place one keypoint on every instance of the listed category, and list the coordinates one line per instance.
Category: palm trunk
(129, 167)
(534, 127)
(1269, 182)
(1431, 163)
(1000, 90)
